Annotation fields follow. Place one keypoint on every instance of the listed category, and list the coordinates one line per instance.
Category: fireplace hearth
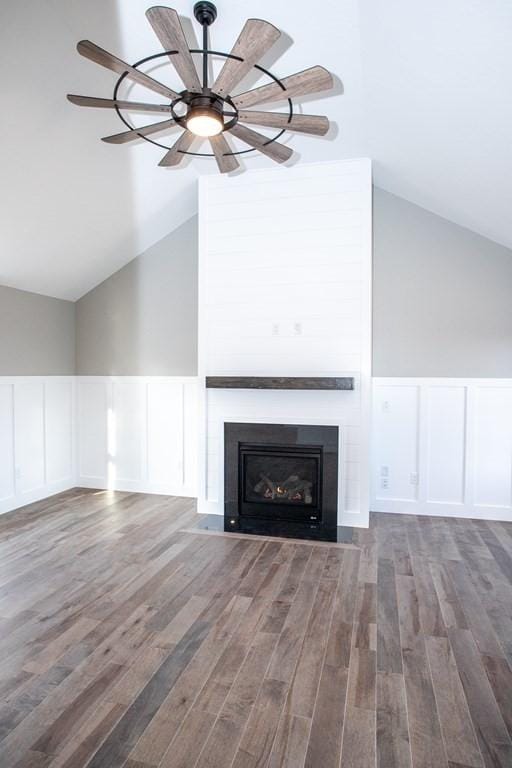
(281, 480)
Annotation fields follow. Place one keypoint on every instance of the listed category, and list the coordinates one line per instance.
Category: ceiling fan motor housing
(205, 12)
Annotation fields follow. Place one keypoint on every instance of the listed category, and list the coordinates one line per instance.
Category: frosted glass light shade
(203, 122)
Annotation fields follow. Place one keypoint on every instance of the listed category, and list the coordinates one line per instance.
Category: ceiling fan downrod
(205, 13)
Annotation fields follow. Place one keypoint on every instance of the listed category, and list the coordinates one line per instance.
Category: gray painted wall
(143, 319)
(441, 307)
(442, 296)
(37, 334)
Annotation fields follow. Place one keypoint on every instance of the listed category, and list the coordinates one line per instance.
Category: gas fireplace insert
(281, 479)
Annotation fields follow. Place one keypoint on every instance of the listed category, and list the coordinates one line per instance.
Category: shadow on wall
(78, 191)
(142, 321)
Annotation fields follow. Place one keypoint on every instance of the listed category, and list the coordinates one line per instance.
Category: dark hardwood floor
(126, 642)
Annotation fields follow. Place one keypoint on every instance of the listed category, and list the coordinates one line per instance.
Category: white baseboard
(8, 505)
(435, 509)
(130, 486)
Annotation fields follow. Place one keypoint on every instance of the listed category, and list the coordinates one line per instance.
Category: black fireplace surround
(281, 480)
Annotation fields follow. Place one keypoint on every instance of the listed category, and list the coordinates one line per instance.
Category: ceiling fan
(211, 111)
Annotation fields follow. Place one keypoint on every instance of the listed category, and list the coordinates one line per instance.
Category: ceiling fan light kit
(205, 120)
(209, 110)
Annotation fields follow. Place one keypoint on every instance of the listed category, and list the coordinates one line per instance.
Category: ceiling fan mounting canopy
(200, 109)
(205, 13)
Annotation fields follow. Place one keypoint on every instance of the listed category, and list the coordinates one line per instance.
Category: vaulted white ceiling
(427, 95)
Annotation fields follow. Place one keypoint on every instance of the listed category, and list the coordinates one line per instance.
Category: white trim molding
(442, 446)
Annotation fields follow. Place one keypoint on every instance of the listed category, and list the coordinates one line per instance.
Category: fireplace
(281, 480)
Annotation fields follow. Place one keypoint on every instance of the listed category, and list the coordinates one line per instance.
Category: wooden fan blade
(167, 27)
(308, 81)
(175, 155)
(136, 133)
(221, 149)
(109, 61)
(276, 151)
(255, 39)
(315, 124)
(132, 106)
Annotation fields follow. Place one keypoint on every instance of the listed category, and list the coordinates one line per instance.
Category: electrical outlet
(384, 471)
(414, 478)
(17, 473)
(384, 483)
(386, 406)
(275, 329)
(297, 329)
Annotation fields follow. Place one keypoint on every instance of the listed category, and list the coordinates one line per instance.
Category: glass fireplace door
(280, 482)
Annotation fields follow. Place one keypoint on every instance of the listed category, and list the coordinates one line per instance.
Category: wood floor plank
(184, 751)
(476, 616)
(393, 747)
(324, 746)
(33, 759)
(169, 718)
(427, 748)
(50, 742)
(366, 541)
(358, 748)
(491, 731)
(451, 609)
(499, 674)
(284, 659)
(305, 682)
(87, 739)
(222, 743)
(258, 737)
(431, 617)
(291, 743)
(362, 679)
(458, 734)
(499, 553)
(342, 624)
(115, 750)
(389, 656)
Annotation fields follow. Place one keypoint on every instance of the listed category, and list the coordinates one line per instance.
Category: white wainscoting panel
(127, 456)
(7, 484)
(137, 433)
(398, 445)
(59, 423)
(29, 435)
(93, 396)
(493, 447)
(167, 401)
(442, 447)
(446, 440)
(36, 438)
(285, 290)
